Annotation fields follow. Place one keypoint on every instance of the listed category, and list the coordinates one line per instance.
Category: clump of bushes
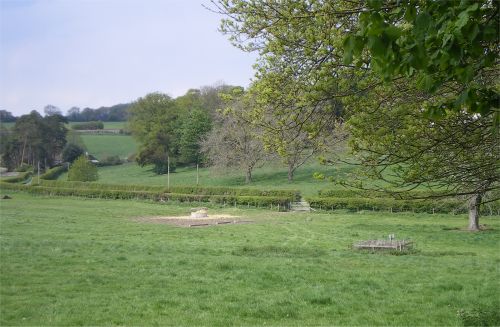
(71, 152)
(19, 178)
(110, 161)
(82, 170)
(24, 168)
(53, 173)
(90, 125)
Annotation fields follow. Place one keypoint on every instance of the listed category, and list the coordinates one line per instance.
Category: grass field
(102, 146)
(108, 124)
(71, 261)
(272, 177)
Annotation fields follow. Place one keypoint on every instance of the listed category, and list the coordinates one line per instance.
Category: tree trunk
(248, 177)
(290, 173)
(474, 206)
(22, 155)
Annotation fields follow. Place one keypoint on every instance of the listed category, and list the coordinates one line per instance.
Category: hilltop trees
(171, 129)
(153, 120)
(35, 139)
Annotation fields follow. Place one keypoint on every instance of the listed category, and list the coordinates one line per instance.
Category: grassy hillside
(71, 261)
(107, 124)
(272, 177)
(102, 146)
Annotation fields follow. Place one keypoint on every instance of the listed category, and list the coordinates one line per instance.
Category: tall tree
(194, 125)
(399, 144)
(50, 110)
(234, 143)
(153, 120)
(6, 117)
(348, 50)
(35, 139)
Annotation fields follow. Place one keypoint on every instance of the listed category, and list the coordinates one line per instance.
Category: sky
(92, 53)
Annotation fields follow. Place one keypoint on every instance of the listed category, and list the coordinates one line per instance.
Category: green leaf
(422, 24)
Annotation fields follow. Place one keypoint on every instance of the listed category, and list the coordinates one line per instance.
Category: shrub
(24, 167)
(71, 152)
(92, 125)
(53, 173)
(19, 178)
(110, 161)
(82, 170)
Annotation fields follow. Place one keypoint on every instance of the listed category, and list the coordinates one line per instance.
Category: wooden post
(197, 174)
(168, 172)
(38, 172)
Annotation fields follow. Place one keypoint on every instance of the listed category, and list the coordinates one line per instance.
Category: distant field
(102, 146)
(108, 124)
(7, 125)
(72, 261)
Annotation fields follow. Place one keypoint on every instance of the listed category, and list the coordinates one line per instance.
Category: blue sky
(91, 53)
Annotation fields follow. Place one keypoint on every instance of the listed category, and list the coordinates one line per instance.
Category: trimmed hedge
(226, 191)
(19, 178)
(345, 193)
(53, 173)
(90, 125)
(150, 195)
(389, 204)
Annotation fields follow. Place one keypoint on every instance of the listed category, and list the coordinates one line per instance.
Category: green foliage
(91, 125)
(153, 120)
(435, 43)
(71, 152)
(82, 170)
(34, 139)
(190, 190)
(53, 173)
(114, 192)
(193, 128)
(389, 204)
(24, 168)
(22, 177)
(110, 161)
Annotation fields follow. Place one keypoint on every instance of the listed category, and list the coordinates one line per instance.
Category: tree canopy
(417, 80)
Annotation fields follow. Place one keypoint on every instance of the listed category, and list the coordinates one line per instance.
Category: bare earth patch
(188, 221)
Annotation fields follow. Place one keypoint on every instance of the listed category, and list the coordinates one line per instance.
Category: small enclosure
(384, 245)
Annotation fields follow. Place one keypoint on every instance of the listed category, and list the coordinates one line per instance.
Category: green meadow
(102, 146)
(74, 261)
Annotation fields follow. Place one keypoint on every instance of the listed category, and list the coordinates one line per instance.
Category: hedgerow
(22, 177)
(390, 204)
(257, 201)
(53, 173)
(194, 190)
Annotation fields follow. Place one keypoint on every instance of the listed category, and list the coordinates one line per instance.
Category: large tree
(345, 50)
(234, 142)
(35, 139)
(397, 143)
(153, 120)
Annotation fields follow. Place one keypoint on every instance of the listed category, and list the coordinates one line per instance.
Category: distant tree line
(75, 114)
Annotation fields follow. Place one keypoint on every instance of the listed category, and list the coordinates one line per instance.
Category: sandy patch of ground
(188, 221)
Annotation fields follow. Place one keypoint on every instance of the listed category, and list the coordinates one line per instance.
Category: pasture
(75, 261)
(102, 146)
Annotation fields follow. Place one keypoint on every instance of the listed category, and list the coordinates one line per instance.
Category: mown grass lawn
(73, 261)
